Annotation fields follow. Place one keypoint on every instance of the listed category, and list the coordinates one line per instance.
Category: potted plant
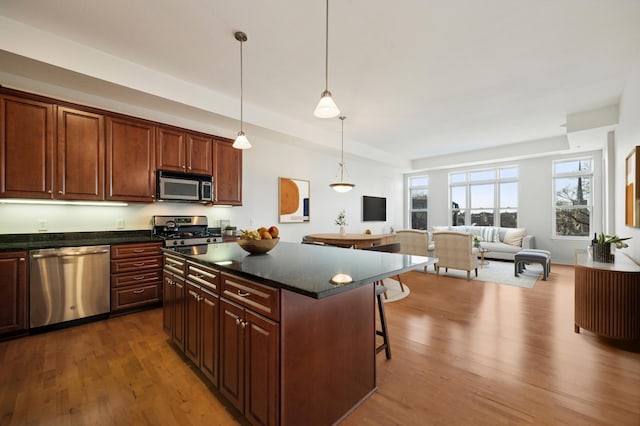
(341, 221)
(230, 230)
(476, 241)
(601, 246)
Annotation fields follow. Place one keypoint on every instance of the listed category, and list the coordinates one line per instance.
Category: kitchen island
(295, 327)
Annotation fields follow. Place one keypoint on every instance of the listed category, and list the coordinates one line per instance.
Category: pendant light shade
(342, 186)
(326, 108)
(241, 141)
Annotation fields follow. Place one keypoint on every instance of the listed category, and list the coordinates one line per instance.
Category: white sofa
(509, 240)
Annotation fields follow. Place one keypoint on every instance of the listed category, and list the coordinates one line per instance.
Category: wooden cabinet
(173, 314)
(249, 349)
(201, 343)
(13, 294)
(26, 147)
(227, 173)
(136, 276)
(80, 155)
(182, 151)
(130, 160)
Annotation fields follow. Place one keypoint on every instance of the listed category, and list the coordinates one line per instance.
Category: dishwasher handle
(67, 254)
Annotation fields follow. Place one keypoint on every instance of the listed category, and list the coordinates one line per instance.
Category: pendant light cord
(241, 87)
(326, 50)
(342, 150)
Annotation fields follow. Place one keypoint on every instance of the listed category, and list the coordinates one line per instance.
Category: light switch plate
(42, 225)
(120, 224)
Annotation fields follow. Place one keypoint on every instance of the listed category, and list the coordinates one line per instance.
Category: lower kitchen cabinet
(136, 276)
(249, 360)
(174, 301)
(13, 294)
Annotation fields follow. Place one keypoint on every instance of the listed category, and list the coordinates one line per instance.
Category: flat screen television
(374, 209)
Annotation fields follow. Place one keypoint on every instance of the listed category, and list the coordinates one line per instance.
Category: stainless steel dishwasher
(68, 283)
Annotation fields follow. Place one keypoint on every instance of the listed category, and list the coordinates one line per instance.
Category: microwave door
(179, 189)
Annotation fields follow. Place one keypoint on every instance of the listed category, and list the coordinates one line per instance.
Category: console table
(607, 296)
(352, 240)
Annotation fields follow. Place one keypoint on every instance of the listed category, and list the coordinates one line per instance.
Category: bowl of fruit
(259, 241)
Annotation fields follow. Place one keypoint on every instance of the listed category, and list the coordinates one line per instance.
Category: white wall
(535, 209)
(263, 164)
(627, 137)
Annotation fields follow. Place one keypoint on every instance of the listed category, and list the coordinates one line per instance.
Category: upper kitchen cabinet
(130, 160)
(182, 151)
(227, 173)
(80, 155)
(26, 147)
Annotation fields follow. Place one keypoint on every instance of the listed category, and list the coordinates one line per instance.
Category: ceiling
(418, 80)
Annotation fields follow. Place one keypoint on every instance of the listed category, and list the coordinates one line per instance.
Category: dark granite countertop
(304, 268)
(18, 242)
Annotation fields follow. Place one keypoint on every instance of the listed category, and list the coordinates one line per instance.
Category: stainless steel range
(183, 231)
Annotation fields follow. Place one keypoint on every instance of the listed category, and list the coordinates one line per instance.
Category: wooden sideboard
(607, 296)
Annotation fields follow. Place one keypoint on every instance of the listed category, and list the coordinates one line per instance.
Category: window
(572, 197)
(418, 196)
(487, 197)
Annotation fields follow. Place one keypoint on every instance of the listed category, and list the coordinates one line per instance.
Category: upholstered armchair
(455, 250)
(415, 242)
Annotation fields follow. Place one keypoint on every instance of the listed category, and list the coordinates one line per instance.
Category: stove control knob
(208, 240)
(182, 242)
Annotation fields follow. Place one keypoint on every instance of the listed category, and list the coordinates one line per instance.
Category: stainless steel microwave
(172, 186)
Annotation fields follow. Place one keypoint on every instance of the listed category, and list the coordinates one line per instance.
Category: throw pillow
(489, 234)
(514, 236)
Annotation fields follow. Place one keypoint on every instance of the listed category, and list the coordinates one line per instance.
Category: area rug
(394, 293)
(499, 272)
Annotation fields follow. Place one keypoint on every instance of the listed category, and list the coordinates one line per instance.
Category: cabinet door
(170, 151)
(262, 370)
(227, 173)
(168, 309)
(199, 154)
(13, 293)
(26, 148)
(232, 353)
(179, 299)
(80, 153)
(210, 334)
(130, 160)
(192, 323)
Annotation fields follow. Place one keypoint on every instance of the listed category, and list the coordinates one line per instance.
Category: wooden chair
(387, 248)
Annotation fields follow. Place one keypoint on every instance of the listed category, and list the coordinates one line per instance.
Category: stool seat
(543, 257)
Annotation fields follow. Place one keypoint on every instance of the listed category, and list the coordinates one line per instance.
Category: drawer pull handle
(237, 321)
(138, 264)
(241, 294)
(138, 251)
(138, 291)
(243, 324)
(141, 277)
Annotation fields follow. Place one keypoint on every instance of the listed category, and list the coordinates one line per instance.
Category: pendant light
(342, 186)
(326, 108)
(241, 141)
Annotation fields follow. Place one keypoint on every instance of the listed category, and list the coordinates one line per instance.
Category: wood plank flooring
(464, 353)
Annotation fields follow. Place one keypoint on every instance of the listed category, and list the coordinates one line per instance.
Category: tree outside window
(418, 198)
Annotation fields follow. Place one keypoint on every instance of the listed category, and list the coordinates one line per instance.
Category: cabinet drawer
(257, 297)
(132, 297)
(137, 278)
(135, 265)
(204, 276)
(135, 250)
(175, 265)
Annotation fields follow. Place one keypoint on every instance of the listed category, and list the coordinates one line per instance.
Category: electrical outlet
(120, 224)
(42, 225)
(251, 223)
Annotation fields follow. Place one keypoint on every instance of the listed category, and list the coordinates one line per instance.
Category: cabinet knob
(243, 324)
(238, 321)
(22, 259)
(60, 192)
(49, 192)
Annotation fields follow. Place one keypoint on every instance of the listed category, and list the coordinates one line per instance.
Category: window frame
(590, 206)
(411, 210)
(469, 182)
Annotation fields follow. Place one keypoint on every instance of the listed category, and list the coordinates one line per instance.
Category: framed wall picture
(632, 192)
(293, 200)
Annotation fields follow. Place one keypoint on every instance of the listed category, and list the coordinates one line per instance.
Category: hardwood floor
(463, 353)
